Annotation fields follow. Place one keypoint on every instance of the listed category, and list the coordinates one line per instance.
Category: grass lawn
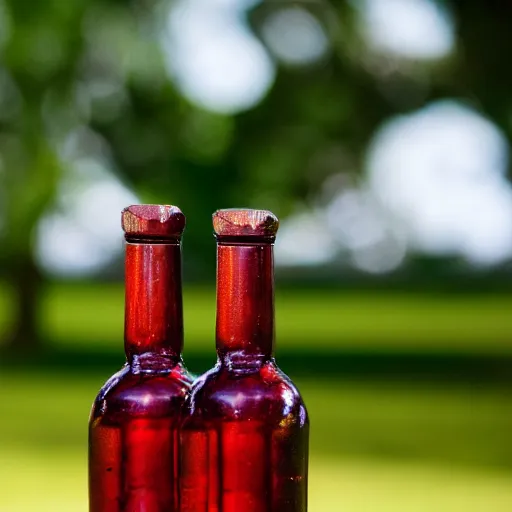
(56, 482)
(373, 447)
(93, 314)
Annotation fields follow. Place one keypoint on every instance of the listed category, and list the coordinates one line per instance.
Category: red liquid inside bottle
(244, 436)
(133, 433)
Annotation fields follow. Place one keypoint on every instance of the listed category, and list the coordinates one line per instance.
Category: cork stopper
(245, 223)
(152, 221)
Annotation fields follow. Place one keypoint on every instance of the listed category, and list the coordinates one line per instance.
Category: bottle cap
(152, 221)
(242, 222)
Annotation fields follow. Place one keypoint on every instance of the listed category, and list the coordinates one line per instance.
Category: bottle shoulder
(146, 394)
(264, 394)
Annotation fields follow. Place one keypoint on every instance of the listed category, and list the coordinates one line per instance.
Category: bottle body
(133, 434)
(245, 432)
(133, 440)
(244, 442)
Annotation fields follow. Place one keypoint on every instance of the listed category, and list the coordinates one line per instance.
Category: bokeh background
(378, 131)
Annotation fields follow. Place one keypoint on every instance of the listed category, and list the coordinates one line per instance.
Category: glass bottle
(244, 435)
(133, 423)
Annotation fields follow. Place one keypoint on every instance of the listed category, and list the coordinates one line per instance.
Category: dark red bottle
(244, 436)
(133, 434)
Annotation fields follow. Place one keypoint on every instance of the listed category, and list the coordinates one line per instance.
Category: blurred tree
(99, 64)
(40, 45)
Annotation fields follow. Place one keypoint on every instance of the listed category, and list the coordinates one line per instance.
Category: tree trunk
(24, 336)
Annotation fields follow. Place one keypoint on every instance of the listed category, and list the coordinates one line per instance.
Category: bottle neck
(245, 301)
(154, 310)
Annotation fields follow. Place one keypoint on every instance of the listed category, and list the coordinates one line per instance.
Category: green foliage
(315, 121)
(67, 65)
